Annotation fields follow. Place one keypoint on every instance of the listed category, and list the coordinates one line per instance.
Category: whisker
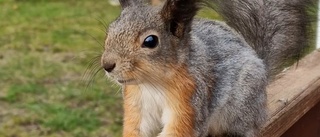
(96, 40)
(92, 69)
(92, 78)
(114, 85)
(103, 23)
(93, 63)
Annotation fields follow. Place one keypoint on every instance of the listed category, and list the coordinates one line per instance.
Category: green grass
(45, 48)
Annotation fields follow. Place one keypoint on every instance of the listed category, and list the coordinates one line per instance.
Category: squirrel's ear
(127, 3)
(178, 15)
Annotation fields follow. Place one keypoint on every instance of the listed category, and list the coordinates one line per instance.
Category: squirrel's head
(148, 43)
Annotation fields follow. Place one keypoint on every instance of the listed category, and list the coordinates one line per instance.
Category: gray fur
(230, 66)
(276, 29)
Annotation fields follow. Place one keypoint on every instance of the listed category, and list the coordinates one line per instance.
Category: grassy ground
(45, 48)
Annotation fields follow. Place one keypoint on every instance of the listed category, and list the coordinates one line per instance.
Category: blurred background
(48, 58)
(50, 83)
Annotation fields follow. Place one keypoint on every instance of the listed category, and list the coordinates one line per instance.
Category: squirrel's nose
(109, 67)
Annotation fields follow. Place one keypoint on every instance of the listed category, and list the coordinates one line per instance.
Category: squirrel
(184, 76)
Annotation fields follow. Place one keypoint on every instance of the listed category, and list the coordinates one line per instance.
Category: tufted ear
(128, 3)
(178, 15)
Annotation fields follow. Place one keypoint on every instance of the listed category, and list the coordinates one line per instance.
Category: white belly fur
(155, 110)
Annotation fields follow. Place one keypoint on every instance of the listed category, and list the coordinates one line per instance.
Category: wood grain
(293, 95)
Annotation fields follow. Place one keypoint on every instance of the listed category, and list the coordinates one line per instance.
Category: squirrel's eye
(150, 42)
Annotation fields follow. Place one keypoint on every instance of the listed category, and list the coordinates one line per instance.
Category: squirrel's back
(229, 75)
(237, 59)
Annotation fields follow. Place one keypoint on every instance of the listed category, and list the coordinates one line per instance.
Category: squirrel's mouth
(127, 81)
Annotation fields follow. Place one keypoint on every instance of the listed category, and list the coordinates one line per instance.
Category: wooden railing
(292, 95)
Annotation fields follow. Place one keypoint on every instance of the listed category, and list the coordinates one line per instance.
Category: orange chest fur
(152, 107)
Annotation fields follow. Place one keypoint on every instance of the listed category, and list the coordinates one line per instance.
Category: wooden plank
(307, 126)
(293, 95)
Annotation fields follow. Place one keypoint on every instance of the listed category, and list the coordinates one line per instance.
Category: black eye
(150, 42)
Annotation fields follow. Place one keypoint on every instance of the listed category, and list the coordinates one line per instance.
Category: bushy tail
(276, 29)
